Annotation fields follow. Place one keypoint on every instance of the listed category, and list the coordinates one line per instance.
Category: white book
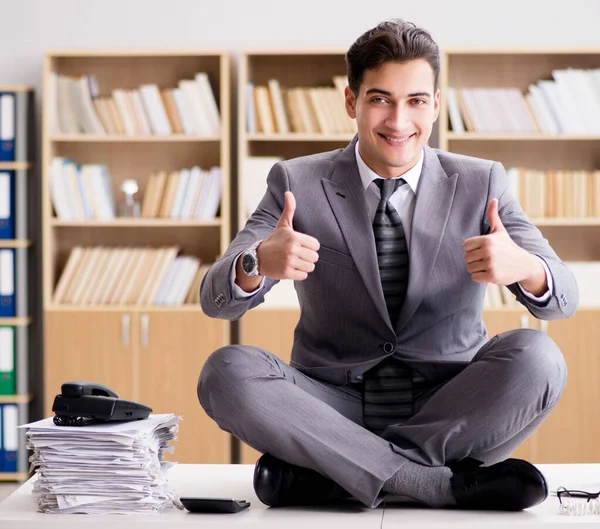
(186, 279)
(94, 125)
(7, 356)
(53, 98)
(159, 122)
(537, 113)
(213, 195)
(209, 102)
(183, 111)
(85, 192)
(250, 109)
(190, 193)
(456, 121)
(201, 198)
(70, 171)
(170, 287)
(191, 96)
(58, 191)
(278, 107)
(120, 99)
(140, 112)
(569, 98)
(5, 209)
(549, 118)
(7, 273)
(182, 183)
(66, 107)
(165, 285)
(7, 117)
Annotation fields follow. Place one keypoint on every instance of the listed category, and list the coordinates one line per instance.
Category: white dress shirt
(403, 201)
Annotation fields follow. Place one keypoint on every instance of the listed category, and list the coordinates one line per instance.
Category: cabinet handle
(544, 326)
(125, 321)
(145, 323)
(525, 321)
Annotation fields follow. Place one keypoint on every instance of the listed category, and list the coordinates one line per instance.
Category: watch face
(248, 263)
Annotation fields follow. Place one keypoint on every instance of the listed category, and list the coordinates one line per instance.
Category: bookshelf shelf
(9, 476)
(136, 223)
(558, 222)
(16, 399)
(193, 308)
(122, 138)
(16, 166)
(17, 322)
(14, 243)
(138, 350)
(479, 136)
(300, 137)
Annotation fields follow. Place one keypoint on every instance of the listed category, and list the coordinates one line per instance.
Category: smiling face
(395, 110)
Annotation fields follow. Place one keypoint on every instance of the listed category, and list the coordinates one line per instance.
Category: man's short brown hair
(394, 40)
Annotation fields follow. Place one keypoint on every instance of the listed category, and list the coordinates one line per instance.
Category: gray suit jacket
(344, 327)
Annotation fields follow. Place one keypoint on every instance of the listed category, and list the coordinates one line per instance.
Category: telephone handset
(81, 400)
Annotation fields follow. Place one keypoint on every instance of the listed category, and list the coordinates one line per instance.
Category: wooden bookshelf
(150, 354)
(574, 239)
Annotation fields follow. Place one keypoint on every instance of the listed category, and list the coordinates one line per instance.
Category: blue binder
(7, 283)
(7, 126)
(10, 438)
(7, 204)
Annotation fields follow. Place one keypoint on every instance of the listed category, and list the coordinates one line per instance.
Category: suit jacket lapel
(435, 195)
(346, 197)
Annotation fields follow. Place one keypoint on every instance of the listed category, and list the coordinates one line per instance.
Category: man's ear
(350, 102)
(436, 104)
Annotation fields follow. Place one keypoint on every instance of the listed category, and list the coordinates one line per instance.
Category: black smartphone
(214, 505)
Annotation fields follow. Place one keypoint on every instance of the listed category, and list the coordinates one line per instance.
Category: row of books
(78, 108)
(100, 275)
(272, 108)
(569, 104)
(84, 192)
(556, 194)
(187, 194)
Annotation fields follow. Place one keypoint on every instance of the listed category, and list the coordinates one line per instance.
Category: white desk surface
(18, 511)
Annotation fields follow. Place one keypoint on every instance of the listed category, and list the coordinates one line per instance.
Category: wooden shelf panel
(129, 71)
(136, 223)
(14, 243)
(489, 136)
(15, 399)
(537, 154)
(300, 137)
(124, 308)
(308, 69)
(95, 138)
(15, 166)
(571, 222)
(14, 476)
(15, 321)
(508, 69)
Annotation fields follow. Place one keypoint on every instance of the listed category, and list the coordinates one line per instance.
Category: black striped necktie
(388, 387)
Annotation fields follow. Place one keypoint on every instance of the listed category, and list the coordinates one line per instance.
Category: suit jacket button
(389, 347)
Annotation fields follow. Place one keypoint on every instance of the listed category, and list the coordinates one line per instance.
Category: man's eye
(378, 100)
(418, 102)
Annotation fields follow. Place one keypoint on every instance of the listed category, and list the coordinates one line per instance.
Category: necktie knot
(388, 186)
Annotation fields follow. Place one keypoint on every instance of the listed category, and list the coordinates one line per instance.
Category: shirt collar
(367, 175)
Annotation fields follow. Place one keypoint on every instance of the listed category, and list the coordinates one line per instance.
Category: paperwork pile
(103, 468)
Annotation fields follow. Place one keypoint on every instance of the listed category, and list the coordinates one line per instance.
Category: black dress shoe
(512, 485)
(278, 484)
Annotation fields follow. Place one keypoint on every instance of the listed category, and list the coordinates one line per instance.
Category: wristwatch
(250, 260)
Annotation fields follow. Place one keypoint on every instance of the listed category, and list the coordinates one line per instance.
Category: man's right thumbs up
(289, 207)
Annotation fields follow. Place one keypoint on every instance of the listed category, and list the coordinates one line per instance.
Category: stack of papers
(103, 468)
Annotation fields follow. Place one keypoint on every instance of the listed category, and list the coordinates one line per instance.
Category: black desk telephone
(81, 400)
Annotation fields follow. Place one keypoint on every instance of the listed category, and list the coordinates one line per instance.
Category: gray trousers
(484, 411)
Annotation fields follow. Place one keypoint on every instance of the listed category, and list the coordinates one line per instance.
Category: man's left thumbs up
(494, 217)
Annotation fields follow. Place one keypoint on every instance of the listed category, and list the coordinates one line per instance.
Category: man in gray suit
(396, 281)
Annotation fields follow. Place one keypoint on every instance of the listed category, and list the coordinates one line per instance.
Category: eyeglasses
(571, 502)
